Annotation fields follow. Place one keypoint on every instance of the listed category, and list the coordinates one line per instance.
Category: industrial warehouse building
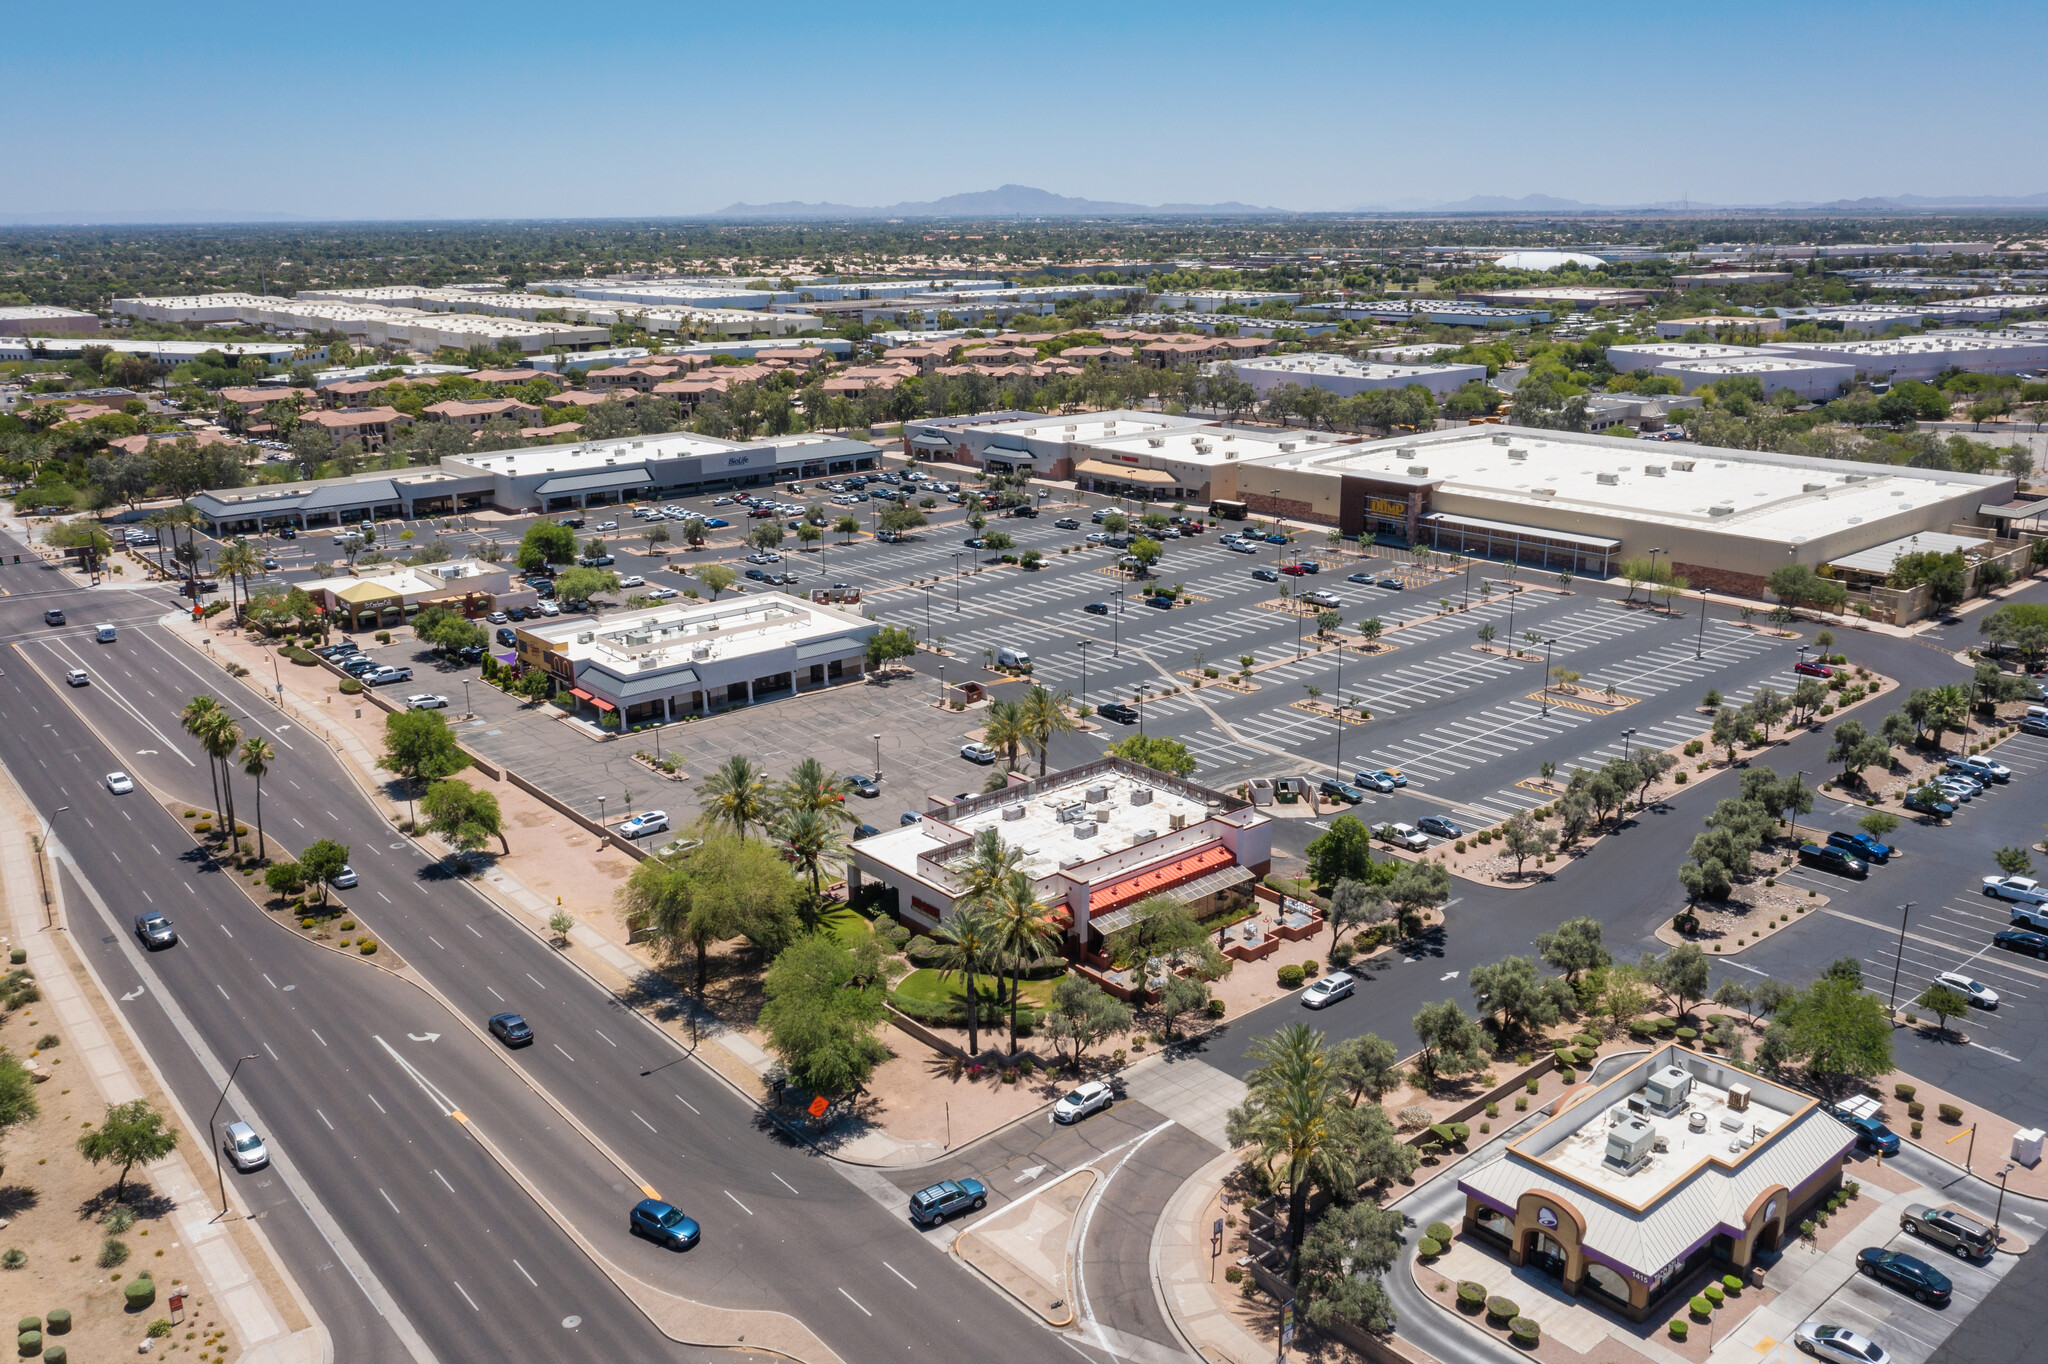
(696, 657)
(1179, 464)
(1811, 379)
(1558, 500)
(1032, 443)
(1926, 356)
(1345, 377)
(1630, 1188)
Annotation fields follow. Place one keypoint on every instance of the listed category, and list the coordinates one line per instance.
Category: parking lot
(1910, 1331)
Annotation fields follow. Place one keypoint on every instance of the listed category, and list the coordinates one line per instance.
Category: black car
(53, 616)
(288, 533)
(758, 575)
(1920, 804)
(515, 613)
(360, 664)
(1159, 602)
(1834, 860)
(1905, 1272)
(2021, 940)
(861, 831)
(1119, 712)
(155, 930)
(511, 1029)
(469, 653)
(1391, 584)
(1094, 608)
(1026, 512)
(346, 646)
(506, 637)
(1436, 826)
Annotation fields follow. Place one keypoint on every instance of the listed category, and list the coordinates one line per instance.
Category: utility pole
(219, 1173)
(1898, 956)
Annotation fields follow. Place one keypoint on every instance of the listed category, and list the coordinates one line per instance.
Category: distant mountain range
(1011, 201)
(1544, 203)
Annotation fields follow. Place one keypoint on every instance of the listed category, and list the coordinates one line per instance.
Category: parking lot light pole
(467, 713)
(1898, 956)
(1999, 1212)
(1338, 687)
(1626, 735)
(1546, 674)
(956, 579)
(878, 756)
(1084, 670)
(927, 613)
(1699, 648)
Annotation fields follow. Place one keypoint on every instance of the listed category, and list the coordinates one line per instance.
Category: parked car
(632, 580)
(2021, 940)
(1905, 1272)
(1966, 1236)
(385, 674)
(511, 1029)
(1980, 769)
(1265, 575)
(426, 700)
(1119, 712)
(1240, 547)
(155, 930)
(1920, 802)
(861, 831)
(1066, 523)
(2024, 889)
(1077, 1104)
(497, 618)
(1365, 578)
(759, 575)
(1436, 826)
(507, 638)
(1871, 1134)
(1293, 570)
(1158, 601)
(1097, 608)
(664, 1224)
(909, 817)
(1328, 990)
(657, 594)
(1392, 584)
(1838, 1344)
(1979, 994)
(1333, 789)
(978, 753)
(863, 785)
(646, 822)
(1833, 859)
(1403, 836)
(934, 1204)
(355, 665)
(120, 783)
(2036, 725)
(1861, 845)
(1379, 780)
(1808, 668)
(244, 1147)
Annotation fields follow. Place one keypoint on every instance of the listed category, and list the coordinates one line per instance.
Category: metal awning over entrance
(1538, 545)
(1113, 906)
(1124, 473)
(608, 481)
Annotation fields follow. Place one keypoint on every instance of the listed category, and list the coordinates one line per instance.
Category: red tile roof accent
(1169, 874)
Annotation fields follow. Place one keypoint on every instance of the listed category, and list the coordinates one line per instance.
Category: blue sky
(376, 110)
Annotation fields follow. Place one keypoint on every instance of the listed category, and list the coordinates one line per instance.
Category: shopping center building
(1679, 1162)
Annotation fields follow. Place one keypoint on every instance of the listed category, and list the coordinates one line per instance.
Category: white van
(103, 633)
(1012, 658)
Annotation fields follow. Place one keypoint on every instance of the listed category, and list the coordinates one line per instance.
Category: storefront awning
(1095, 468)
(580, 694)
(1166, 874)
(601, 703)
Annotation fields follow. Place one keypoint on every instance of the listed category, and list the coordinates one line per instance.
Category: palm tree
(1023, 933)
(1294, 1111)
(812, 786)
(238, 563)
(1006, 729)
(809, 836)
(1948, 708)
(257, 755)
(988, 866)
(737, 795)
(967, 948)
(194, 718)
(219, 735)
(1045, 714)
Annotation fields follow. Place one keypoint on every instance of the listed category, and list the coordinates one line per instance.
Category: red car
(1293, 570)
(1809, 669)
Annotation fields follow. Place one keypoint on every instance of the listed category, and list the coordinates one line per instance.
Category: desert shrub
(1523, 1332)
(113, 1252)
(1501, 1311)
(1291, 977)
(1904, 1092)
(1429, 1248)
(1439, 1232)
(140, 1292)
(1950, 1113)
(1471, 1296)
(1916, 1110)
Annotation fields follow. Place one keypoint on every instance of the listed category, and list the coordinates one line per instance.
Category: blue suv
(1871, 1135)
(931, 1206)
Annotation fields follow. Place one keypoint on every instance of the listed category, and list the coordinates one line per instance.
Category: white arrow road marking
(1449, 975)
(415, 1037)
(135, 993)
(1032, 1173)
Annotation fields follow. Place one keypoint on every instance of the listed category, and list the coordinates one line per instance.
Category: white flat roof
(1753, 364)
(683, 632)
(1131, 812)
(1664, 351)
(1209, 445)
(1309, 363)
(593, 456)
(1092, 428)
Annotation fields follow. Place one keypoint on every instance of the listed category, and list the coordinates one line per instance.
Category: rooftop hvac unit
(1654, 470)
(1813, 487)
(700, 652)
(1723, 510)
(1286, 447)
(1085, 829)
(1177, 820)
(1071, 861)
(1513, 454)
(1500, 440)
(1405, 451)
(1144, 836)
(1012, 812)
(1418, 471)
(1738, 1098)
(1543, 492)
(1095, 795)
(1142, 796)
(1853, 478)
(1609, 480)
(584, 638)
(1156, 441)
(1071, 814)
(1629, 1143)
(1683, 466)
(1667, 1088)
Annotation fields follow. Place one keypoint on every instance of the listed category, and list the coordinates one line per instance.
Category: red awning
(601, 703)
(1159, 878)
(580, 694)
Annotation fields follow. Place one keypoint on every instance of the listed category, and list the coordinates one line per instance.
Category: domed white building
(1547, 260)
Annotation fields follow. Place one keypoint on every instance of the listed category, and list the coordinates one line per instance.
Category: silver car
(244, 1147)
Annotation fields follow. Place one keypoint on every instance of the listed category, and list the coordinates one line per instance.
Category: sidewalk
(243, 1281)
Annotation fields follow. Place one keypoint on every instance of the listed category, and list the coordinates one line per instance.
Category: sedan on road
(120, 783)
(1331, 988)
(78, 677)
(511, 1029)
(1906, 1272)
(155, 930)
(53, 616)
(1980, 995)
(1838, 1344)
(345, 878)
(2023, 889)
(1077, 1104)
(244, 1147)
(664, 1224)
(426, 700)
(933, 1205)
(646, 822)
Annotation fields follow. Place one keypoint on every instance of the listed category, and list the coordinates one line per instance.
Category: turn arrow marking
(1031, 1173)
(1449, 975)
(430, 1037)
(135, 993)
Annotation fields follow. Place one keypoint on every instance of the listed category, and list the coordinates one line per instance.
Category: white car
(978, 753)
(120, 783)
(1838, 1343)
(662, 594)
(548, 608)
(426, 700)
(344, 878)
(77, 677)
(1978, 993)
(1077, 1104)
(1331, 988)
(1404, 836)
(646, 822)
(632, 580)
(244, 1147)
(2024, 889)
(607, 525)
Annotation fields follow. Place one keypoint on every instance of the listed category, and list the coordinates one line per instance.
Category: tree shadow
(139, 1197)
(16, 1199)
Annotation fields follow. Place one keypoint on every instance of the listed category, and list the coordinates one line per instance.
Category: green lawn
(927, 986)
(846, 926)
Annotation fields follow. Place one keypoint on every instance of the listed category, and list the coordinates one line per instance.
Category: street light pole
(1084, 670)
(49, 904)
(878, 756)
(1898, 956)
(1999, 1212)
(1626, 735)
(1699, 648)
(219, 1173)
(1546, 674)
(956, 580)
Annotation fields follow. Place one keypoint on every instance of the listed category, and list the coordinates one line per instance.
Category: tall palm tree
(257, 756)
(1294, 1112)
(1948, 709)
(809, 837)
(196, 715)
(736, 794)
(987, 867)
(1045, 714)
(967, 949)
(1023, 934)
(1006, 729)
(811, 785)
(219, 735)
(238, 563)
